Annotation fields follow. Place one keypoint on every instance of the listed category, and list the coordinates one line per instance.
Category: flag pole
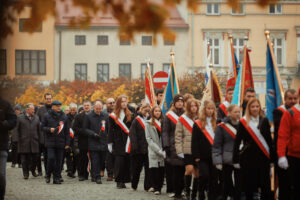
(151, 84)
(243, 70)
(267, 34)
(232, 56)
(172, 54)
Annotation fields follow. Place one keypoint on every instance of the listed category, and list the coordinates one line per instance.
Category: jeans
(55, 158)
(3, 160)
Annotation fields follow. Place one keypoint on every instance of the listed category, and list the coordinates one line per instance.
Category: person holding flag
(139, 148)
(222, 110)
(257, 154)
(57, 139)
(183, 145)
(118, 140)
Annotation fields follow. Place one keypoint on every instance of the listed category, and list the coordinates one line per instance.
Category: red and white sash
(229, 129)
(71, 133)
(125, 129)
(60, 128)
(224, 106)
(157, 125)
(257, 137)
(282, 108)
(208, 134)
(141, 121)
(187, 122)
(296, 108)
(172, 116)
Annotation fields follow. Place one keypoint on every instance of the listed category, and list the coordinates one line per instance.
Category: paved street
(36, 189)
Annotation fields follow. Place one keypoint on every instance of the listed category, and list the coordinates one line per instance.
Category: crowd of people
(201, 152)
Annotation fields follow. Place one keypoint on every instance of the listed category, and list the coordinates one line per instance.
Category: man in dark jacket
(8, 120)
(28, 129)
(16, 159)
(95, 127)
(81, 142)
(57, 139)
(41, 113)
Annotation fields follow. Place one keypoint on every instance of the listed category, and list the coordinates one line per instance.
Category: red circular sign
(160, 79)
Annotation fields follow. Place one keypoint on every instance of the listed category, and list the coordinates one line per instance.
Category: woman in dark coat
(118, 140)
(256, 153)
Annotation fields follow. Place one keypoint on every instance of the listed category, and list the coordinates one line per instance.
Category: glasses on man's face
(111, 103)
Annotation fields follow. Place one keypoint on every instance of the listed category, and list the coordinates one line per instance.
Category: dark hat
(55, 103)
(178, 97)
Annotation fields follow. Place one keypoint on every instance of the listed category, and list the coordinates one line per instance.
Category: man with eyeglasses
(110, 105)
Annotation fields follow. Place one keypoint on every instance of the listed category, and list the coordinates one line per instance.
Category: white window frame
(276, 10)
(212, 47)
(274, 39)
(241, 11)
(238, 48)
(144, 68)
(213, 9)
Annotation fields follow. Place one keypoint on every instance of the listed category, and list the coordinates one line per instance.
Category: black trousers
(230, 186)
(109, 164)
(83, 162)
(178, 179)
(157, 177)
(43, 150)
(295, 173)
(284, 183)
(97, 162)
(254, 178)
(169, 177)
(70, 161)
(122, 168)
(208, 176)
(16, 158)
(29, 161)
(137, 163)
(55, 158)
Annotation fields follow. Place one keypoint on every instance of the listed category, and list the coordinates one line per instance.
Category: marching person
(16, 159)
(110, 159)
(248, 95)
(8, 120)
(156, 154)
(284, 180)
(202, 141)
(222, 110)
(118, 140)
(289, 141)
(139, 148)
(175, 170)
(222, 152)
(183, 145)
(257, 153)
(57, 139)
(95, 127)
(81, 141)
(28, 130)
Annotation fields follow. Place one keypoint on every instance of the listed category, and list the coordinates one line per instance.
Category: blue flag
(171, 89)
(237, 90)
(273, 97)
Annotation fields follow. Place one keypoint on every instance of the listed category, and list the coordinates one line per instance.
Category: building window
(103, 72)
(23, 29)
(166, 67)
(125, 42)
(213, 9)
(79, 39)
(278, 50)
(215, 51)
(2, 61)
(275, 9)
(81, 71)
(143, 70)
(125, 70)
(169, 43)
(146, 40)
(238, 45)
(102, 39)
(240, 11)
(30, 62)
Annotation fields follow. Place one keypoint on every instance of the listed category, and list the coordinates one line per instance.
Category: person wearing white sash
(118, 140)
(222, 152)
(183, 145)
(202, 141)
(256, 154)
(139, 148)
(156, 153)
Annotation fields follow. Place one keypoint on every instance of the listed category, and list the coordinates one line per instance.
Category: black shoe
(81, 178)
(34, 174)
(123, 185)
(56, 181)
(40, 174)
(61, 180)
(98, 181)
(20, 165)
(119, 185)
(70, 175)
(47, 179)
(26, 177)
(93, 180)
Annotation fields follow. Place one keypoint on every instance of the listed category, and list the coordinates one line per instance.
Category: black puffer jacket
(52, 120)
(81, 139)
(137, 136)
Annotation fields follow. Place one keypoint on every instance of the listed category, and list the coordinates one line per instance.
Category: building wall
(91, 53)
(43, 40)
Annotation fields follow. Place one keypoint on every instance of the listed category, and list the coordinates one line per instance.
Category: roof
(66, 11)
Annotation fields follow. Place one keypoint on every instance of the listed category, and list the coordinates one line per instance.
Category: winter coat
(137, 136)
(8, 120)
(56, 139)
(28, 132)
(41, 112)
(81, 139)
(183, 139)
(168, 138)
(222, 149)
(154, 141)
(92, 126)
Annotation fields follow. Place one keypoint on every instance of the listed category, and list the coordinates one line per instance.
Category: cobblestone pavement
(18, 188)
